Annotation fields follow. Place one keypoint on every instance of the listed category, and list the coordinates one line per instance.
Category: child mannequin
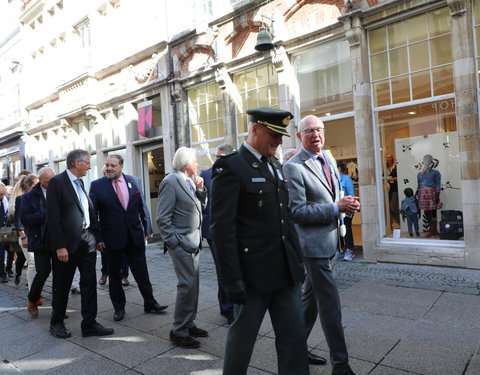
(410, 211)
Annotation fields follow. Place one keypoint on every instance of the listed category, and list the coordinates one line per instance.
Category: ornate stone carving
(458, 8)
(222, 77)
(147, 73)
(279, 58)
(353, 31)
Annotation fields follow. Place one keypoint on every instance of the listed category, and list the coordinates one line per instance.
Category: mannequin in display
(392, 190)
(428, 192)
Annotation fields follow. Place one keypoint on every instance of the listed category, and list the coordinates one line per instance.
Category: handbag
(8, 234)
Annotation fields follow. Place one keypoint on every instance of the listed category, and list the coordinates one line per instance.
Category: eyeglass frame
(310, 131)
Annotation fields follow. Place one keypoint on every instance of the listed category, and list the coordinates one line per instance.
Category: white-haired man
(181, 197)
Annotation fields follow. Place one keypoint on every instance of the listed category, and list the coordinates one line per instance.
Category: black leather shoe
(197, 332)
(96, 329)
(59, 330)
(155, 308)
(4, 279)
(187, 342)
(315, 359)
(342, 370)
(16, 280)
(10, 274)
(119, 315)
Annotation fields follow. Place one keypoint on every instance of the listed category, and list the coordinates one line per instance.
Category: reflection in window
(256, 87)
(205, 110)
(325, 78)
(407, 136)
(417, 47)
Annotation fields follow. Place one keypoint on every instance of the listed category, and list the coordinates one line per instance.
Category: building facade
(393, 82)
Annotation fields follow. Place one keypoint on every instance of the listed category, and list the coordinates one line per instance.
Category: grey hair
(304, 121)
(183, 156)
(43, 170)
(76, 155)
(225, 147)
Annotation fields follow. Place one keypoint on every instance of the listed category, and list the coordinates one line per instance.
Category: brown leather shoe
(125, 282)
(32, 308)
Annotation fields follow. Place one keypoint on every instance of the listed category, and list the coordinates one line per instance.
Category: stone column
(229, 96)
(99, 125)
(131, 119)
(364, 133)
(466, 109)
(288, 92)
(168, 144)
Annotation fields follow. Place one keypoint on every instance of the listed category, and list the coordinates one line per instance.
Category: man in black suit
(33, 213)
(71, 223)
(257, 247)
(226, 307)
(124, 226)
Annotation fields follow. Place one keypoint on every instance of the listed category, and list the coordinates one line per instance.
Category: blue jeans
(412, 220)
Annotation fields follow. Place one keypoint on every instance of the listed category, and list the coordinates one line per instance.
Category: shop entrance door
(153, 173)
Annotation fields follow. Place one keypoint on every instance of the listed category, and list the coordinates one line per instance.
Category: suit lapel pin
(129, 185)
(255, 164)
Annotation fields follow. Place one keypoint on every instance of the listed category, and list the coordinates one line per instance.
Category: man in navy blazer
(226, 307)
(124, 226)
(33, 214)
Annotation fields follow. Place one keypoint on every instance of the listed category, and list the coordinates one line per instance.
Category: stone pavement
(398, 319)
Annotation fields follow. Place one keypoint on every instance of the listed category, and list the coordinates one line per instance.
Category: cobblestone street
(398, 319)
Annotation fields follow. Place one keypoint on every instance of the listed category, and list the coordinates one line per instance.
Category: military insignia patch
(286, 120)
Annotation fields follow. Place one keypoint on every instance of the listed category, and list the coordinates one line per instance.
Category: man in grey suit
(316, 206)
(181, 197)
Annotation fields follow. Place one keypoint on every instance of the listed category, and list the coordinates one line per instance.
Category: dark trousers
(123, 269)
(320, 297)
(137, 261)
(84, 258)
(19, 263)
(286, 314)
(226, 307)
(5, 248)
(43, 266)
(347, 242)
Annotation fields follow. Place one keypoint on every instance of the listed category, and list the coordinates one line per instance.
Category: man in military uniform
(258, 251)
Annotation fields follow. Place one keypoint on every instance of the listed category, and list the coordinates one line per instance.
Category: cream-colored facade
(387, 77)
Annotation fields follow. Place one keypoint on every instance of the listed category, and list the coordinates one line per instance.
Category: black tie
(326, 170)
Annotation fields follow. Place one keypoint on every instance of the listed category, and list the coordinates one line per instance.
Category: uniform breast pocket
(261, 196)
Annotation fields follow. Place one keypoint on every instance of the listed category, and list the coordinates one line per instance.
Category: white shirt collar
(253, 150)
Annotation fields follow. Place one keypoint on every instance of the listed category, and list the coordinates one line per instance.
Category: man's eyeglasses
(313, 130)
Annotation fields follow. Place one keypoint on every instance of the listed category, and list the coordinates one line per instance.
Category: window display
(419, 146)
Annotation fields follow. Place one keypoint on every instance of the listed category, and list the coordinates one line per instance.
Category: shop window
(408, 135)
(325, 78)
(205, 110)
(256, 87)
(402, 51)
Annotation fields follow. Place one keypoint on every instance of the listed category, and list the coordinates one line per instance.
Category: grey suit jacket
(179, 213)
(312, 205)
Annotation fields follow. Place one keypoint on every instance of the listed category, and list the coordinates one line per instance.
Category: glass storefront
(420, 156)
(153, 173)
(411, 62)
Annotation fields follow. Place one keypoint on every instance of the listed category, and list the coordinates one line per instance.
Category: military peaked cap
(275, 119)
